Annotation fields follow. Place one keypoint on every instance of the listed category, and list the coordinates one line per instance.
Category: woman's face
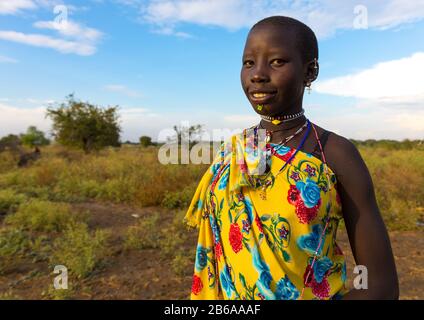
(273, 74)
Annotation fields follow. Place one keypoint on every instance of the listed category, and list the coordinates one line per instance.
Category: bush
(80, 251)
(178, 199)
(144, 235)
(181, 265)
(14, 243)
(40, 215)
(174, 237)
(9, 201)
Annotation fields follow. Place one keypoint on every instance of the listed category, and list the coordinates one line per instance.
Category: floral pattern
(282, 246)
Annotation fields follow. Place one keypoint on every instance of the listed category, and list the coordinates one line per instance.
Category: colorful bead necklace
(284, 118)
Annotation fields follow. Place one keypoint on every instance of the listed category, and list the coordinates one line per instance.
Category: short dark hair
(306, 39)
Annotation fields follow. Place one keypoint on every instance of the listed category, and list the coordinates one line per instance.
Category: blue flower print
(309, 242)
(226, 282)
(201, 258)
(286, 290)
(321, 266)
(309, 191)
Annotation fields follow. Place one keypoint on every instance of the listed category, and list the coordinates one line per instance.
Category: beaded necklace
(284, 118)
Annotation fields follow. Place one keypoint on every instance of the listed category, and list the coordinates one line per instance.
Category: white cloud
(323, 16)
(170, 31)
(119, 88)
(73, 37)
(18, 6)
(4, 59)
(15, 6)
(374, 123)
(16, 120)
(39, 40)
(71, 29)
(387, 83)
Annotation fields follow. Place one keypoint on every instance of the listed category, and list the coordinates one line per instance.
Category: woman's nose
(259, 75)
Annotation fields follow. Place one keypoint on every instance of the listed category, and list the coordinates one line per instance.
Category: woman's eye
(278, 62)
(247, 63)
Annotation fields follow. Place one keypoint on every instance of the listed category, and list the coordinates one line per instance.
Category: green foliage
(181, 264)
(10, 200)
(14, 243)
(41, 215)
(79, 250)
(34, 137)
(144, 235)
(10, 141)
(174, 237)
(388, 144)
(85, 126)
(178, 199)
(145, 141)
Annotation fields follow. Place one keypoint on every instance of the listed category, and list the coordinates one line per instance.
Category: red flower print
(259, 224)
(308, 276)
(218, 251)
(197, 285)
(293, 195)
(321, 290)
(305, 214)
(235, 237)
(285, 157)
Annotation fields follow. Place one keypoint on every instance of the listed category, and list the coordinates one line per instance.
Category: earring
(308, 83)
(308, 86)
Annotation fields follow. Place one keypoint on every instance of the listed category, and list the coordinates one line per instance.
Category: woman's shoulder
(339, 150)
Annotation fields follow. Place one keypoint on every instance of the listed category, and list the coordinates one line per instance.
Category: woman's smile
(262, 96)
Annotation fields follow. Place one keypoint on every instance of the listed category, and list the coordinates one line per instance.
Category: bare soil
(145, 274)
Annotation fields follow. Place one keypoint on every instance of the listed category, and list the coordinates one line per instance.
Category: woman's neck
(283, 126)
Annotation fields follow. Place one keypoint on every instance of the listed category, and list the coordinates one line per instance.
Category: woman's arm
(367, 233)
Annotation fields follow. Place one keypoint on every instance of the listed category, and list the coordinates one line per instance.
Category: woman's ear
(311, 72)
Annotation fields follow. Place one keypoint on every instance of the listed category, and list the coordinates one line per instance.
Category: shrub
(14, 243)
(178, 199)
(79, 250)
(181, 265)
(40, 215)
(10, 200)
(144, 235)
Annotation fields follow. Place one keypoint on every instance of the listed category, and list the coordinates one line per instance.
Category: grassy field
(114, 218)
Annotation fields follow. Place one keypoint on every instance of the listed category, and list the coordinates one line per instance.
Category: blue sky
(164, 62)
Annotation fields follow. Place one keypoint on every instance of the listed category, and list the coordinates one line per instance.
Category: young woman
(268, 216)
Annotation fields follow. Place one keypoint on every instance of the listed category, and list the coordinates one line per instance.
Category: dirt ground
(144, 274)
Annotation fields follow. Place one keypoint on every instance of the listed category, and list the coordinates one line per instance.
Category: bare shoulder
(341, 154)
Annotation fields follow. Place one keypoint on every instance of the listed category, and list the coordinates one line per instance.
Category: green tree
(34, 138)
(145, 141)
(11, 141)
(83, 125)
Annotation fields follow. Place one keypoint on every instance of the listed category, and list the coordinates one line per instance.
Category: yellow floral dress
(272, 242)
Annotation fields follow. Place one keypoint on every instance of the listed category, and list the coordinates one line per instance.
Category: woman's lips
(261, 97)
